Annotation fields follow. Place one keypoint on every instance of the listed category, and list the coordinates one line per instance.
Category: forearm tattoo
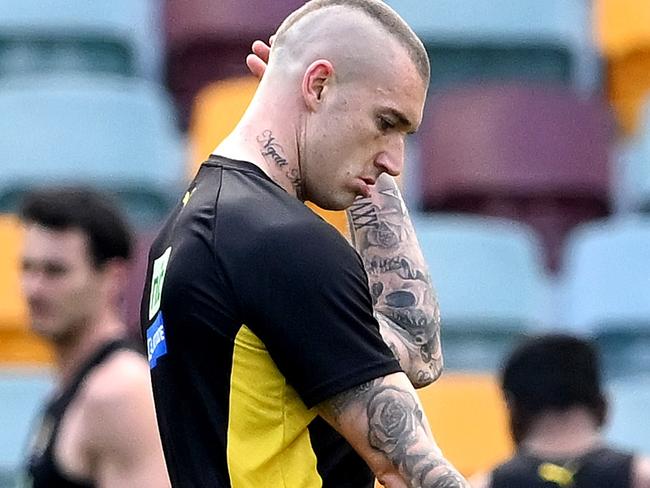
(400, 285)
(396, 429)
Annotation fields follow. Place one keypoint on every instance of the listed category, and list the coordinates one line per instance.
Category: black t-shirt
(255, 310)
(599, 468)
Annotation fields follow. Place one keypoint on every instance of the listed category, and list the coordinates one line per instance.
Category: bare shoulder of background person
(641, 470)
(480, 480)
(120, 426)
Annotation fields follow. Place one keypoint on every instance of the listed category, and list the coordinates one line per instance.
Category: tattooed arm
(404, 300)
(384, 423)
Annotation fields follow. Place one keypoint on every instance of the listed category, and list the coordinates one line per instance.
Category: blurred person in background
(98, 427)
(266, 356)
(557, 411)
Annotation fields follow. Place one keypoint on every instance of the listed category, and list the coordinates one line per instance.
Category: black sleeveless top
(42, 470)
(599, 468)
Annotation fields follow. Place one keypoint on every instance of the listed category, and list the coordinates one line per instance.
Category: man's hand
(258, 60)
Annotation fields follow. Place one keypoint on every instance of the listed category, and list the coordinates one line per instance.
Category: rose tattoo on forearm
(397, 429)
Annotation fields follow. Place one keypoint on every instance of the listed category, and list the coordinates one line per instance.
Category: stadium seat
(123, 37)
(489, 278)
(468, 418)
(624, 351)
(537, 154)
(608, 274)
(483, 40)
(621, 25)
(117, 134)
(209, 41)
(216, 111)
(22, 391)
(628, 80)
(18, 345)
(628, 425)
(606, 290)
(623, 32)
(633, 167)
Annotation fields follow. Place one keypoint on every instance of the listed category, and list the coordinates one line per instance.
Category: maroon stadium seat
(208, 40)
(538, 154)
(135, 285)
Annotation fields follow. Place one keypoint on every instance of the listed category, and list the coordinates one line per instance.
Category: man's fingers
(262, 50)
(257, 61)
(255, 65)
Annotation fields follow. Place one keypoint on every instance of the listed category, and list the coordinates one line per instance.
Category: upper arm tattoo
(396, 429)
(400, 285)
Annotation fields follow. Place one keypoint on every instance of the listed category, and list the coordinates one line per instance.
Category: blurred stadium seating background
(529, 182)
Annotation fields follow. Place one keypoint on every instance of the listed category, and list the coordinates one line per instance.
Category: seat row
(473, 439)
(198, 41)
(490, 281)
(466, 40)
(538, 154)
(118, 134)
(492, 288)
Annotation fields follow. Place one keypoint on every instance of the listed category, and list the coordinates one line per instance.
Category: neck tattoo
(273, 151)
(271, 148)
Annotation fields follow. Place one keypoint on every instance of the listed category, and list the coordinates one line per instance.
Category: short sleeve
(306, 296)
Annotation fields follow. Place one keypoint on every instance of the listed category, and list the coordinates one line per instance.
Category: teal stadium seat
(606, 290)
(120, 36)
(22, 392)
(118, 134)
(488, 273)
(634, 168)
(628, 424)
(497, 40)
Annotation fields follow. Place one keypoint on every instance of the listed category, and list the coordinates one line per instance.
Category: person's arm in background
(404, 299)
(641, 472)
(384, 422)
(481, 480)
(120, 430)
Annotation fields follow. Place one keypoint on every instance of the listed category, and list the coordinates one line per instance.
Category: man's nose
(32, 283)
(391, 161)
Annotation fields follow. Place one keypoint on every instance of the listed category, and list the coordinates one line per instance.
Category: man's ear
(116, 273)
(316, 82)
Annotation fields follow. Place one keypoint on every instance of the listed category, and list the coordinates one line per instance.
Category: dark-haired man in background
(98, 427)
(557, 410)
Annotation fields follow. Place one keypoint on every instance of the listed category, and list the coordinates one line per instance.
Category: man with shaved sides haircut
(279, 354)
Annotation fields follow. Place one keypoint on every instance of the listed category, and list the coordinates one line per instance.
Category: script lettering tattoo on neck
(273, 151)
(403, 297)
(271, 148)
(296, 182)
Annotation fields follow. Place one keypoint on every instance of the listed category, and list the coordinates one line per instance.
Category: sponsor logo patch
(157, 281)
(156, 344)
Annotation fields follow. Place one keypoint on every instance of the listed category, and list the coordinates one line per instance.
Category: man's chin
(334, 204)
(337, 207)
(44, 330)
